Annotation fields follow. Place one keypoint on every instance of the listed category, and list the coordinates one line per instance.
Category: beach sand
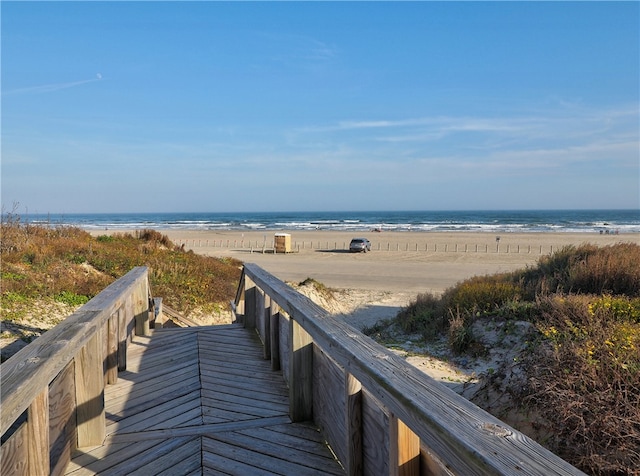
(376, 285)
(406, 262)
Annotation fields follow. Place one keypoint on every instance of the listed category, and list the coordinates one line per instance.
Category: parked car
(360, 244)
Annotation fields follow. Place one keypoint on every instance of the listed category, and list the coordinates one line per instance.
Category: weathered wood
(274, 331)
(159, 316)
(353, 416)
(14, 453)
(375, 436)
(178, 318)
(130, 319)
(250, 306)
(265, 329)
(25, 374)
(300, 373)
(468, 439)
(285, 345)
(123, 339)
(329, 401)
(62, 419)
(111, 350)
(89, 384)
(238, 408)
(404, 453)
(38, 431)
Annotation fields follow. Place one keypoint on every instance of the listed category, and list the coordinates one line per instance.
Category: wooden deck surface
(202, 401)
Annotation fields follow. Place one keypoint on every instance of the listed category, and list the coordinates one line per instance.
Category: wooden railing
(52, 391)
(379, 414)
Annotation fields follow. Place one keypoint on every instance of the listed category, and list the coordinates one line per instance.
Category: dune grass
(67, 264)
(582, 365)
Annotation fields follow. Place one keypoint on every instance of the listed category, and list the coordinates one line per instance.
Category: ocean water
(524, 221)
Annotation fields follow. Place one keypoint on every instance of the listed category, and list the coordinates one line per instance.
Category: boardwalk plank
(155, 414)
(129, 400)
(166, 463)
(194, 401)
(264, 457)
(237, 402)
(244, 372)
(188, 464)
(273, 384)
(257, 392)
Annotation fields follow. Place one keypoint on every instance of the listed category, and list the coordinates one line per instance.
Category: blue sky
(287, 106)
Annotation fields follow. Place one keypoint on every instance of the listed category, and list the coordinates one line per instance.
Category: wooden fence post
(122, 338)
(141, 309)
(89, 380)
(250, 307)
(111, 357)
(274, 331)
(353, 415)
(38, 431)
(266, 327)
(300, 373)
(404, 451)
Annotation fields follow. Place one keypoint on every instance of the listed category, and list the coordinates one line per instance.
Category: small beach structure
(282, 243)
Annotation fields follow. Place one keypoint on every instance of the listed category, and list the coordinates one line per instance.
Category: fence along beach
(412, 251)
(410, 262)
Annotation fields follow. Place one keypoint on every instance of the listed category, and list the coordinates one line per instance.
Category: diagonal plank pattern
(202, 400)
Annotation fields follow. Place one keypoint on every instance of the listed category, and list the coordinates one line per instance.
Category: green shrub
(482, 294)
(620, 307)
(12, 297)
(12, 276)
(583, 369)
(460, 333)
(587, 269)
(424, 315)
(586, 382)
(71, 298)
(53, 256)
(153, 236)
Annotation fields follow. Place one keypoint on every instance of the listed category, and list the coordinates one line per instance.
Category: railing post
(238, 302)
(111, 357)
(274, 330)
(300, 373)
(260, 313)
(157, 309)
(38, 434)
(266, 327)
(89, 381)
(250, 304)
(353, 415)
(122, 337)
(404, 451)
(141, 305)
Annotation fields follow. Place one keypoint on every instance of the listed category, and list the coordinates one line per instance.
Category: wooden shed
(282, 243)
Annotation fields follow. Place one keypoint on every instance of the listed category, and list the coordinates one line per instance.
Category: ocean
(523, 221)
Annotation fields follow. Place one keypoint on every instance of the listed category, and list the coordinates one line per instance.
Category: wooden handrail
(71, 362)
(428, 425)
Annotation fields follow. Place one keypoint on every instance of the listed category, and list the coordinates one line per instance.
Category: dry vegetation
(575, 386)
(51, 270)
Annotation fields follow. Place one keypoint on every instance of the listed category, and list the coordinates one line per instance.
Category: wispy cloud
(573, 140)
(47, 88)
(554, 125)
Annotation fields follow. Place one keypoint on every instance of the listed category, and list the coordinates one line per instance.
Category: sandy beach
(400, 265)
(407, 262)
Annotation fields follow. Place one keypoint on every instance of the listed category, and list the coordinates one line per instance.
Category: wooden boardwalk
(202, 400)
